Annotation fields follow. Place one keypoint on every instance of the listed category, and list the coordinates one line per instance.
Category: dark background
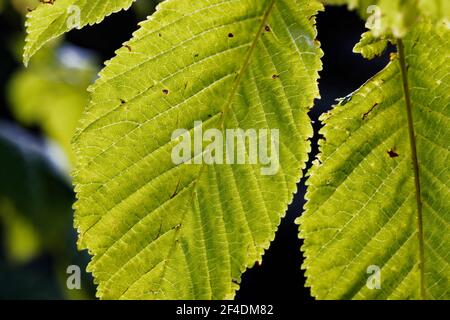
(279, 276)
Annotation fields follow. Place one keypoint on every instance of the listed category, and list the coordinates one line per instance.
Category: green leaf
(55, 17)
(370, 46)
(396, 17)
(372, 201)
(160, 230)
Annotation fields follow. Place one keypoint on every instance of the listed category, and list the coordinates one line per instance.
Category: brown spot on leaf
(230, 35)
(275, 76)
(392, 153)
(267, 28)
(165, 91)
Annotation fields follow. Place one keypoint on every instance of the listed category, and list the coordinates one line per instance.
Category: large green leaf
(160, 230)
(372, 201)
(52, 18)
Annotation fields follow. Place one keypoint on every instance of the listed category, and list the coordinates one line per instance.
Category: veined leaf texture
(374, 201)
(376, 224)
(161, 230)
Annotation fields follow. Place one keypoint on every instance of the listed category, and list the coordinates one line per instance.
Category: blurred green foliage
(51, 93)
(21, 238)
(38, 241)
(35, 207)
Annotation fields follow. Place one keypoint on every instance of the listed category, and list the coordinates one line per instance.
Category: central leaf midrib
(247, 59)
(226, 108)
(415, 162)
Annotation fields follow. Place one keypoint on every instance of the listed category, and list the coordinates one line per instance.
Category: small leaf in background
(370, 46)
